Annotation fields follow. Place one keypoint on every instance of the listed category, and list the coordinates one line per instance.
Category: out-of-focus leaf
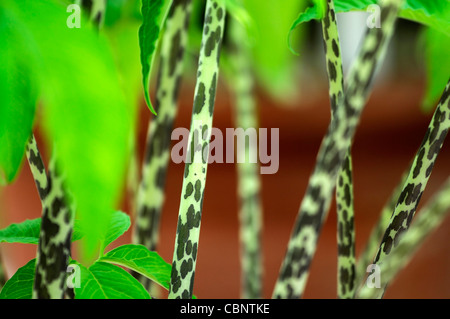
(20, 285)
(238, 12)
(434, 14)
(195, 31)
(273, 63)
(85, 113)
(154, 13)
(18, 94)
(123, 37)
(437, 53)
(118, 10)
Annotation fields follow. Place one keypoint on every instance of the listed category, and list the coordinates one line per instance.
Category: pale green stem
(418, 177)
(56, 228)
(344, 186)
(191, 204)
(150, 196)
(249, 183)
(376, 235)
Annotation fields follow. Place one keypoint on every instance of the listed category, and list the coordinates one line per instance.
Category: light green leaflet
(27, 232)
(435, 14)
(274, 67)
(118, 225)
(154, 13)
(106, 281)
(141, 260)
(18, 94)
(20, 285)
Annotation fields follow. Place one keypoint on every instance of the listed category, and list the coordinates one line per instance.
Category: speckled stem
(314, 207)
(56, 228)
(376, 235)
(150, 196)
(189, 217)
(249, 183)
(418, 177)
(429, 218)
(344, 186)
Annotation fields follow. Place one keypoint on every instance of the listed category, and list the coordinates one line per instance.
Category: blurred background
(292, 95)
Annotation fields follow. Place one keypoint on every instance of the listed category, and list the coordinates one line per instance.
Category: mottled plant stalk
(418, 177)
(37, 168)
(346, 284)
(56, 228)
(249, 183)
(189, 218)
(376, 235)
(157, 154)
(314, 207)
(344, 186)
(429, 218)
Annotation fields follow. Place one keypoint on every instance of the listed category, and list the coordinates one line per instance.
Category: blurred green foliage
(18, 92)
(437, 61)
(85, 113)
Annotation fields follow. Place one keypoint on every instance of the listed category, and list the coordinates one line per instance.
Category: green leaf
(274, 66)
(85, 114)
(78, 232)
(435, 14)
(26, 232)
(105, 281)
(437, 62)
(118, 225)
(118, 10)
(20, 285)
(141, 260)
(18, 93)
(154, 13)
(123, 38)
(241, 15)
